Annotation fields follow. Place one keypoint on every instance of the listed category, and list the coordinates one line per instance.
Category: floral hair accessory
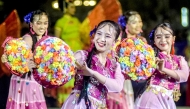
(93, 31)
(122, 22)
(55, 62)
(151, 35)
(17, 53)
(27, 18)
(136, 58)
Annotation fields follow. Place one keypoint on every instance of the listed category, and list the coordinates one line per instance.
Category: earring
(172, 49)
(46, 33)
(32, 30)
(126, 30)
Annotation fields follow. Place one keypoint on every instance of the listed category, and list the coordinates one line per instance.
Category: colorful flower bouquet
(136, 58)
(55, 62)
(17, 53)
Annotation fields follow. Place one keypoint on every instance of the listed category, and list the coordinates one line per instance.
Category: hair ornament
(93, 31)
(122, 22)
(28, 17)
(151, 35)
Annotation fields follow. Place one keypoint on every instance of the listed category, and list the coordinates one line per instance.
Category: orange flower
(37, 60)
(137, 62)
(123, 45)
(43, 47)
(133, 69)
(127, 52)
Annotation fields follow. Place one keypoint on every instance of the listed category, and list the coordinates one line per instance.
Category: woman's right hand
(31, 63)
(4, 58)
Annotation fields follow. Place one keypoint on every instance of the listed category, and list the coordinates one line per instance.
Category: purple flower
(139, 70)
(122, 22)
(93, 31)
(135, 53)
(28, 17)
(132, 58)
(141, 56)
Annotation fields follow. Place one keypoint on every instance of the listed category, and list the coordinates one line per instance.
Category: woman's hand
(31, 63)
(160, 65)
(4, 58)
(84, 69)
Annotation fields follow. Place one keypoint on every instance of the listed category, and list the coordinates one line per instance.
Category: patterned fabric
(163, 89)
(97, 92)
(25, 93)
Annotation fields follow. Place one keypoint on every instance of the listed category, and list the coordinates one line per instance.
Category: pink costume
(160, 92)
(25, 93)
(97, 92)
(119, 100)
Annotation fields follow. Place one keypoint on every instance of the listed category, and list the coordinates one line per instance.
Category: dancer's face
(163, 39)
(104, 38)
(134, 24)
(40, 24)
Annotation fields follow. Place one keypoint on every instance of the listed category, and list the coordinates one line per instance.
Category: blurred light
(184, 17)
(86, 3)
(1, 3)
(55, 5)
(78, 2)
(92, 2)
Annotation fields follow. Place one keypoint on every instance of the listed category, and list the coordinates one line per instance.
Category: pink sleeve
(183, 73)
(115, 85)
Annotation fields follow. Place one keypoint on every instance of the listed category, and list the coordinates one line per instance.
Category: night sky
(22, 6)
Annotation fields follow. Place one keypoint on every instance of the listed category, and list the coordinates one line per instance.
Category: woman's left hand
(84, 69)
(160, 65)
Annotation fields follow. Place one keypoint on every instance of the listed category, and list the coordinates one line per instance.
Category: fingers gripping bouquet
(136, 58)
(16, 53)
(55, 62)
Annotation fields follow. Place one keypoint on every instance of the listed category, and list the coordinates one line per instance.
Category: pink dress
(160, 92)
(117, 100)
(97, 92)
(25, 93)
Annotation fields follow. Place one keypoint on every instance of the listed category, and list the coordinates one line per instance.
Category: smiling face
(134, 24)
(164, 39)
(104, 38)
(39, 24)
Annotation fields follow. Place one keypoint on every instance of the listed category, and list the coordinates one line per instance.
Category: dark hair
(84, 93)
(29, 18)
(165, 26)
(124, 19)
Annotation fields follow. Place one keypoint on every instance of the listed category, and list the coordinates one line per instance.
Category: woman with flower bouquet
(131, 26)
(24, 91)
(164, 88)
(97, 74)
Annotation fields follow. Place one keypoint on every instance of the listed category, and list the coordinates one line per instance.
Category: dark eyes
(159, 36)
(40, 23)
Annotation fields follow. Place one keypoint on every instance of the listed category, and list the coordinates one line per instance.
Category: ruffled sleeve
(115, 85)
(183, 73)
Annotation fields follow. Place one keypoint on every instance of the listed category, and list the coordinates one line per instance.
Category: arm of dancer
(28, 40)
(113, 85)
(181, 75)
